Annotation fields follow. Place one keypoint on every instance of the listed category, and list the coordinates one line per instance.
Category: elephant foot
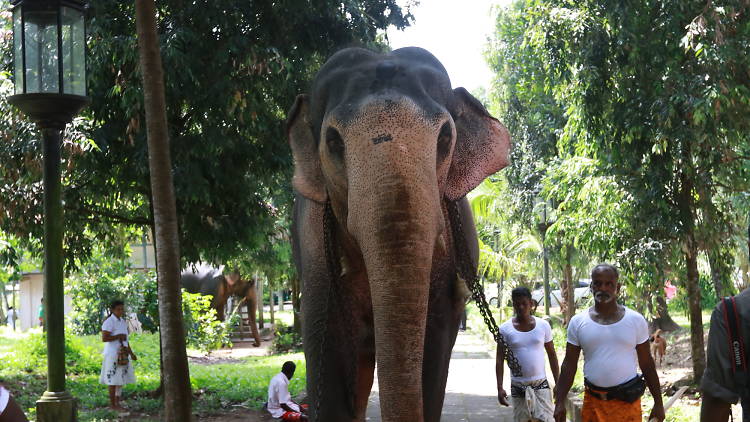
(256, 344)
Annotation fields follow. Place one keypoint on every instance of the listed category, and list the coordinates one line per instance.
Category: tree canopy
(232, 69)
(630, 118)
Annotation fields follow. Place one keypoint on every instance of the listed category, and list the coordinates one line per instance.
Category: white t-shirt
(608, 350)
(4, 399)
(528, 348)
(278, 393)
(115, 326)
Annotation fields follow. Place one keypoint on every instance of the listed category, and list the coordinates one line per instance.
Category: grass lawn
(216, 387)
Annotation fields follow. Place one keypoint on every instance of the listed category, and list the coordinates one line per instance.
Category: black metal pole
(53, 260)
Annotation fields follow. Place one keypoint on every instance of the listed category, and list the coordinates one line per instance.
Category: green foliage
(216, 386)
(679, 302)
(286, 339)
(202, 330)
(233, 70)
(506, 249)
(31, 355)
(104, 279)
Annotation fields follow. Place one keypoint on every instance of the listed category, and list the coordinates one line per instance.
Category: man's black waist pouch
(628, 391)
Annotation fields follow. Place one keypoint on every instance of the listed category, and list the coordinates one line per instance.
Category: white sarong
(536, 405)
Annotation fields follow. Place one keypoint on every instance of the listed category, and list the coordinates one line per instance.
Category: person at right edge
(614, 340)
(721, 386)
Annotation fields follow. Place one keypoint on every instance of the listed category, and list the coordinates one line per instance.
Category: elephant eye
(334, 142)
(444, 140)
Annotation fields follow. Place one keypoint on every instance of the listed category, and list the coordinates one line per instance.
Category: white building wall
(31, 294)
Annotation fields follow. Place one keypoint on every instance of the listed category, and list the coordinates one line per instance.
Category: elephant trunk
(397, 244)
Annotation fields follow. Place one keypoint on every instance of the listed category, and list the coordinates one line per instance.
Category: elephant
(384, 153)
(211, 281)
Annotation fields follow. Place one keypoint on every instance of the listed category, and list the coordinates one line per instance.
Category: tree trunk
(744, 269)
(690, 249)
(5, 302)
(177, 394)
(721, 270)
(663, 320)
(296, 305)
(160, 389)
(260, 302)
(695, 311)
(270, 295)
(567, 290)
(280, 295)
(15, 287)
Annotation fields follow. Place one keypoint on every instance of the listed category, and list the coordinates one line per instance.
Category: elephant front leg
(251, 307)
(445, 311)
(340, 378)
(365, 377)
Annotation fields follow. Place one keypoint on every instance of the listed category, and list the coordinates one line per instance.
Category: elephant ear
(482, 146)
(308, 176)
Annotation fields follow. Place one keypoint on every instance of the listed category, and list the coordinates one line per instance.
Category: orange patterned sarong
(597, 410)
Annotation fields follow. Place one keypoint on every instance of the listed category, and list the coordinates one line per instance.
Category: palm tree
(506, 251)
(176, 376)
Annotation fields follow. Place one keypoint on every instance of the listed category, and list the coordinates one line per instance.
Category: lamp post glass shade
(49, 46)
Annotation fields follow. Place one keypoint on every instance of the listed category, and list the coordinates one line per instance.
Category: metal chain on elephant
(329, 221)
(467, 272)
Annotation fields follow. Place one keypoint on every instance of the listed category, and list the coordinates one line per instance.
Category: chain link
(334, 270)
(468, 273)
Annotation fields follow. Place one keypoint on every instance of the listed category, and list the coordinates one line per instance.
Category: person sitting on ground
(10, 411)
(719, 382)
(528, 337)
(612, 338)
(280, 403)
(117, 369)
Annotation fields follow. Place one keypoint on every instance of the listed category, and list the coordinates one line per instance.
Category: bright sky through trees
(456, 33)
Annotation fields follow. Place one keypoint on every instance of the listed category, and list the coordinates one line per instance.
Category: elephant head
(387, 140)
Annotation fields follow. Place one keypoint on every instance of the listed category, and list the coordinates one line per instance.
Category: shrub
(202, 330)
(31, 355)
(104, 280)
(286, 340)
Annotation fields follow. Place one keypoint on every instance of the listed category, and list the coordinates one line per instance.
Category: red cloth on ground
(293, 416)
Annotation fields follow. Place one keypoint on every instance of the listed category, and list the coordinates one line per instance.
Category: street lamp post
(50, 88)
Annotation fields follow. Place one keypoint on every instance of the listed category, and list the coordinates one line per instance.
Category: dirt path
(471, 393)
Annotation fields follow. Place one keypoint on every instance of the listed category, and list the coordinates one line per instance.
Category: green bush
(31, 355)
(679, 303)
(286, 340)
(202, 330)
(104, 280)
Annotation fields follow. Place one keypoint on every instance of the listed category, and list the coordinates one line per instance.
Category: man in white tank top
(614, 340)
(528, 337)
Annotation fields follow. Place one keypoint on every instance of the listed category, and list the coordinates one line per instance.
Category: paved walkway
(471, 394)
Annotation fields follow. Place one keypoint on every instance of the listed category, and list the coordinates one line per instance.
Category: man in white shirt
(614, 339)
(280, 403)
(529, 338)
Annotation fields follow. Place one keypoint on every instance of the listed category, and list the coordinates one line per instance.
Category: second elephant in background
(212, 281)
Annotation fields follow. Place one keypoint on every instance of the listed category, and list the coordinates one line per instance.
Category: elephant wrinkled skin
(211, 281)
(389, 143)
